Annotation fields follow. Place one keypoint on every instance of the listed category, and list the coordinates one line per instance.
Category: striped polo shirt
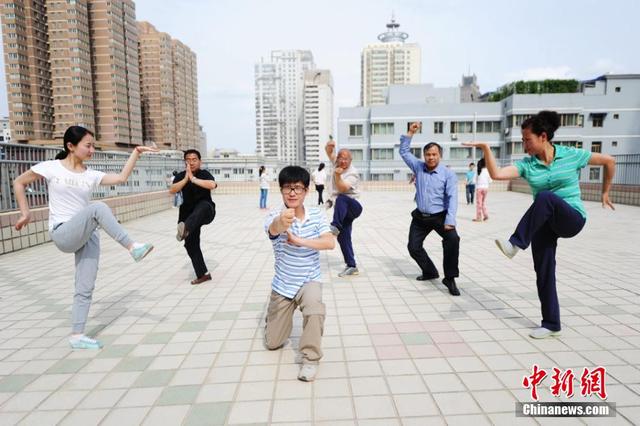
(296, 266)
(562, 176)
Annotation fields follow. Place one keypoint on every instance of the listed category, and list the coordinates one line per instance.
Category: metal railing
(627, 169)
(153, 172)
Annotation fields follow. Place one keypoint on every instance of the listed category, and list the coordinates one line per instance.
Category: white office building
(318, 115)
(279, 92)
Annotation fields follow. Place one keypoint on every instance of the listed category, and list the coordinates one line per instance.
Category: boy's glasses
(288, 189)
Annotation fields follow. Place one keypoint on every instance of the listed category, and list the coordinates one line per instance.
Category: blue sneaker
(139, 251)
(84, 342)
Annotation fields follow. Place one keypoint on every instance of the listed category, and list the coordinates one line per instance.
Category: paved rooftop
(397, 351)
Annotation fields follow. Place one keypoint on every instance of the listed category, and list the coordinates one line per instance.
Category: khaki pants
(280, 320)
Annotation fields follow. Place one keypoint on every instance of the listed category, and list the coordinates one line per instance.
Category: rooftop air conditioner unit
(454, 136)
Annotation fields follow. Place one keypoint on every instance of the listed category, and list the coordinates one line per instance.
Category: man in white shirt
(343, 187)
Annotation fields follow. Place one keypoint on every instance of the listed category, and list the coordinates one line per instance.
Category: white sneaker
(308, 372)
(507, 248)
(541, 333)
(349, 271)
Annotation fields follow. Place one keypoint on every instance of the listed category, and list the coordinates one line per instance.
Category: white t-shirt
(483, 179)
(69, 192)
(264, 180)
(319, 177)
(351, 177)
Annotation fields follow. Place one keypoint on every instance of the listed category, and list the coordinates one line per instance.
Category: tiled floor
(397, 351)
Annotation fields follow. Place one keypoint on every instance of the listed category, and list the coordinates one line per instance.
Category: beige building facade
(78, 63)
(392, 61)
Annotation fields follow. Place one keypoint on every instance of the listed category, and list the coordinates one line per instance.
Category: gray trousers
(79, 235)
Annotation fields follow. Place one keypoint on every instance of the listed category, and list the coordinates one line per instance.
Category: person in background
(196, 210)
(264, 186)
(470, 187)
(482, 189)
(343, 187)
(319, 178)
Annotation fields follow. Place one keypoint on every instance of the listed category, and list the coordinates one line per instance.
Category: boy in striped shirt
(297, 234)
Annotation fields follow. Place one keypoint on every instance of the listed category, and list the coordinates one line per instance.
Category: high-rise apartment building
(116, 80)
(318, 115)
(279, 85)
(78, 63)
(156, 86)
(392, 61)
(26, 54)
(185, 87)
(70, 64)
(269, 103)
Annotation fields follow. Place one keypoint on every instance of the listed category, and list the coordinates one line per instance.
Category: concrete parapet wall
(125, 208)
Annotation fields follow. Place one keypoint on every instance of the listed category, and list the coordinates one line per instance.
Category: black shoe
(424, 277)
(451, 285)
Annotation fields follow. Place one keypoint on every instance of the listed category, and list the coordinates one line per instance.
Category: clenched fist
(414, 128)
(287, 217)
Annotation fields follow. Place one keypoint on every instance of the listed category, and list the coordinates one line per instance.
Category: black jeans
(202, 214)
(320, 188)
(421, 226)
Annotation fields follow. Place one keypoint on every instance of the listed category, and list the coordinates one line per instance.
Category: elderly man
(343, 190)
(437, 201)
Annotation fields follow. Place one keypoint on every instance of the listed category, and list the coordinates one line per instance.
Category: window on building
(594, 173)
(461, 127)
(614, 144)
(616, 116)
(381, 176)
(438, 127)
(572, 144)
(382, 128)
(409, 126)
(618, 89)
(381, 153)
(417, 152)
(596, 146)
(488, 126)
(356, 155)
(514, 148)
(355, 130)
(516, 120)
(460, 153)
(597, 120)
(571, 120)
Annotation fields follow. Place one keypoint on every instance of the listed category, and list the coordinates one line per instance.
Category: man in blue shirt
(437, 201)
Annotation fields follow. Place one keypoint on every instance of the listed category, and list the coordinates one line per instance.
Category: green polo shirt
(562, 176)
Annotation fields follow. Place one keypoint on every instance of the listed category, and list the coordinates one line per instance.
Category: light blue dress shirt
(437, 189)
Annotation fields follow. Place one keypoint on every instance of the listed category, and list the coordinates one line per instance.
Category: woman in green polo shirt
(553, 172)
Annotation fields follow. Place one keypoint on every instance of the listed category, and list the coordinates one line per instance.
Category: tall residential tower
(392, 61)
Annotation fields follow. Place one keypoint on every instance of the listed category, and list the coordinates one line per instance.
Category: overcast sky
(499, 41)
